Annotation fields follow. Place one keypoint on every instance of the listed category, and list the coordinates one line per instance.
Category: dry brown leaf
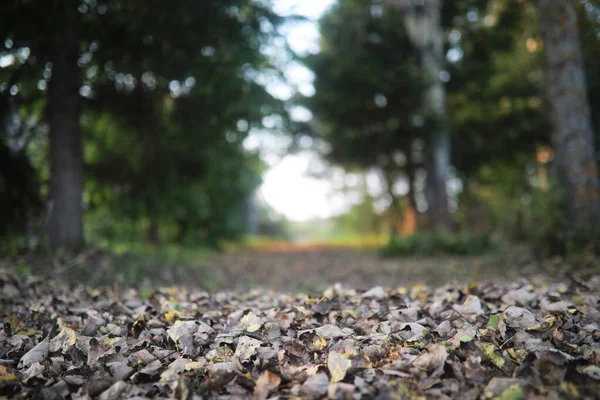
(266, 382)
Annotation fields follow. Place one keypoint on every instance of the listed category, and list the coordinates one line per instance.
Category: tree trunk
(393, 209)
(65, 227)
(566, 91)
(410, 176)
(437, 159)
(424, 26)
(252, 217)
(153, 234)
(183, 228)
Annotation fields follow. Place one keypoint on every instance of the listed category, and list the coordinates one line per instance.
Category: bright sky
(286, 184)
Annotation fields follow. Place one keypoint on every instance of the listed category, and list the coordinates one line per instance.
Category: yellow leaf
(569, 389)
(320, 343)
(337, 365)
(111, 341)
(395, 353)
(66, 337)
(251, 321)
(489, 350)
(472, 287)
(544, 325)
(513, 392)
(517, 355)
(7, 376)
(27, 332)
(170, 315)
(194, 366)
(173, 291)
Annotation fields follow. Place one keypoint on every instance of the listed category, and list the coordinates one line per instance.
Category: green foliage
(270, 224)
(19, 193)
(362, 219)
(544, 224)
(495, 94)
(367, 82)
(171, 90)
(550, 233)
(524, 210)
(589, 25)
(202, 213)
(438, 243)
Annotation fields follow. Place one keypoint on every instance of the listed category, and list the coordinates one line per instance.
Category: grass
(304, 268)
(364, 242)
(135, 265)
(438, 244)
(163, 252)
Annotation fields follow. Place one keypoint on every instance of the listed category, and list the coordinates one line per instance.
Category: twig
(506, 341)
(78, 259)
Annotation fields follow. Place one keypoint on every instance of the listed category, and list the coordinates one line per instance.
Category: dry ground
(523, 339)
(307, 269)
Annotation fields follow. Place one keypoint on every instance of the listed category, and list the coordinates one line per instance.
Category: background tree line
(138, 109)
(488, 96)
(126, 118)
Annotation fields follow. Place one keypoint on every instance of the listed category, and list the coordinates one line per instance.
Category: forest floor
(284, 268)
(237, 326)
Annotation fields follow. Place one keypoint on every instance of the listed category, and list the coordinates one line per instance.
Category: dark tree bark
(65, 227)
(410, 177)
(566, 91)
(153, 234)
(183, 228)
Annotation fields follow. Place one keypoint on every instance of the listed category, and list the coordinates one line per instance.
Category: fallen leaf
(518, 318)
(377, 293)
(266, 382)
(37, 354)
(329, 331)
(490, 351)
(246, 348)
(316, 386)
(182, 334)
(338, 365)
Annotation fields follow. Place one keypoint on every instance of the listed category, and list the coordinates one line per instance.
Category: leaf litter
(518, 340)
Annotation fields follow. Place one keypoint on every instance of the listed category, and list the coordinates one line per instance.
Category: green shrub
(548, 230)
(438, 243)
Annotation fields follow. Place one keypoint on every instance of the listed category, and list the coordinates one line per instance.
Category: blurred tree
(423, 22)
(165, 92)
(495, 109)
(572, 135)
(589, 25)
(362, 218)
(366, 80)
(64, 106)
(495, 91)
(271, 223)
(189, 104)
(19, 195)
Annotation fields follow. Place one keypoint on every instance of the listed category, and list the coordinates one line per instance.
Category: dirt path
(314, 270)
(303, 269)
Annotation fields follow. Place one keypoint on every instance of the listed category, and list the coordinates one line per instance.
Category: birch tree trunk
(566, 92)
(422, 20)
